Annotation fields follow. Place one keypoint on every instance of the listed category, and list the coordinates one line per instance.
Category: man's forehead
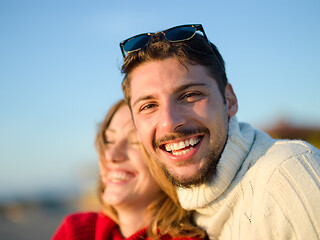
(165, 76)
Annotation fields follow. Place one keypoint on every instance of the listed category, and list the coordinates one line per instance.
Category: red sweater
(96, 226)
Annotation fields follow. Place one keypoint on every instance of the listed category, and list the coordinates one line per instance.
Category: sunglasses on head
(174, 34)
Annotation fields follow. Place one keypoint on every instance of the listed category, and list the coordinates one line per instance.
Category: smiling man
(242, 183)
(183, 117)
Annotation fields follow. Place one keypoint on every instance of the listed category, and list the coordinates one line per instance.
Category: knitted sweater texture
(97, 226)
(263, 189)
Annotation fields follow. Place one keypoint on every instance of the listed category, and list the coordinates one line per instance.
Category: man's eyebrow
(142, 99)
(186, 86)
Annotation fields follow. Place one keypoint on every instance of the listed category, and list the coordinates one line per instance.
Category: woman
(134, 205)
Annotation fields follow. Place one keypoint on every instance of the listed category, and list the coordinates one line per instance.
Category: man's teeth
(119, 176)
(182, 152)
(177, 146)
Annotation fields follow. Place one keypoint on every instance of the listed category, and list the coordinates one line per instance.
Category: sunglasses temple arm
(123, 54)
(205, 36)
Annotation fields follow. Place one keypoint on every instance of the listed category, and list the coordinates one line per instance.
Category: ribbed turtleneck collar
(240, 139)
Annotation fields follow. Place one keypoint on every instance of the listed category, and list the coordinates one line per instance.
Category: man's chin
(185, 181)
(191, 176)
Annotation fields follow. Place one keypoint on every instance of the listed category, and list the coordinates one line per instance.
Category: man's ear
(231, 99)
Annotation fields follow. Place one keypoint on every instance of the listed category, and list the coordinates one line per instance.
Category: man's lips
(182, 146)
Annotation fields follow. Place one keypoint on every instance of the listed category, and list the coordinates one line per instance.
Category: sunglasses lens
(181, 33)
(136, 43)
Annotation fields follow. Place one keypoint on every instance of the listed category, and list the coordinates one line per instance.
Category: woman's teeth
(119, 176)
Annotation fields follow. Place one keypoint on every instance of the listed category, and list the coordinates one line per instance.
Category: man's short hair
(195, 51)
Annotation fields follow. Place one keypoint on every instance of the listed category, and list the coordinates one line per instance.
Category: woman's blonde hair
(165, 215)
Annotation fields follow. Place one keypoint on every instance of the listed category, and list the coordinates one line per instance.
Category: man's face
(181, 118)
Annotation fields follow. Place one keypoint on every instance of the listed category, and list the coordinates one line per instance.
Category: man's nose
(171, 117)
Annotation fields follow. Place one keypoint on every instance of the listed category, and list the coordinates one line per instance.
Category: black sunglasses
(174, 34)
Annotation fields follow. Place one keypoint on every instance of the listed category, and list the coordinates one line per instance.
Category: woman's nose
(116, 153)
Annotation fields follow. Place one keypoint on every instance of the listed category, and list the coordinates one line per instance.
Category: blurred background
(60, 72)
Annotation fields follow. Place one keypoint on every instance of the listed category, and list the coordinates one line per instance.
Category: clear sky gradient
(59, 73)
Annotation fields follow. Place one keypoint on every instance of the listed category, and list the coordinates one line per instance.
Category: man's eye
(148, 107)
(191, 96)
(188, 95)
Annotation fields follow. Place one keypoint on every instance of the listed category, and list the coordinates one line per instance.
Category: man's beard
(206, 172)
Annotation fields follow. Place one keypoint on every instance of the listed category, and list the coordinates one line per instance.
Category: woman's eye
(133, 140)
(108, 143)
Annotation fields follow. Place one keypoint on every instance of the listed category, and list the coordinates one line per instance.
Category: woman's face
(126, 177)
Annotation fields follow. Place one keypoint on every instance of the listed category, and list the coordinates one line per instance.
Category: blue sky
(60, 64)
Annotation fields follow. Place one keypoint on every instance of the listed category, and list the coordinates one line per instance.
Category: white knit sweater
(263, 189)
